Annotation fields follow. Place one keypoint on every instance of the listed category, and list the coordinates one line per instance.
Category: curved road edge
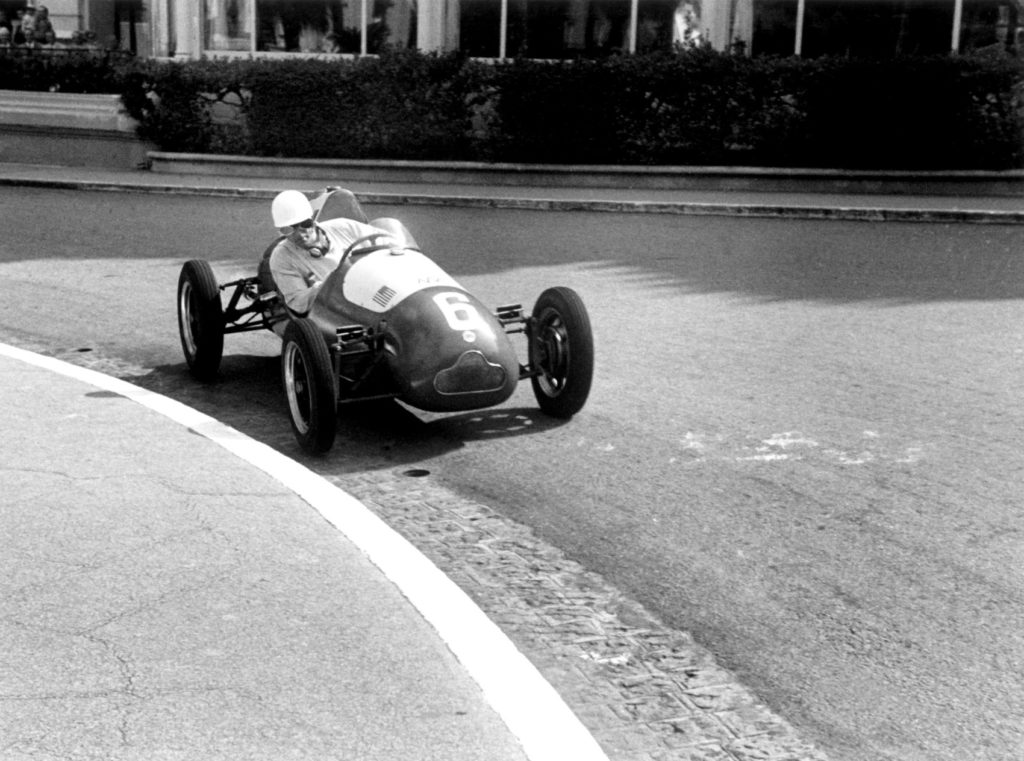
(527, 703)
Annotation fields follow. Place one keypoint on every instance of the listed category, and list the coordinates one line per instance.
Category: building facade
(539, 28)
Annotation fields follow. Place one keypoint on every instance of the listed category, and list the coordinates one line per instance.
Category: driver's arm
(349, 230)
(298, 278)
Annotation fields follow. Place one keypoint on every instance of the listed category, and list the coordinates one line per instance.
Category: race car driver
(310, 251)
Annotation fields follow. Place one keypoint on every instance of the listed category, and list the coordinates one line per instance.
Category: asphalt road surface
(804, 442)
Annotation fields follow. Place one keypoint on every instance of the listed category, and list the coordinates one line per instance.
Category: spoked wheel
(200, 319)
(561, 352)
(309, 386)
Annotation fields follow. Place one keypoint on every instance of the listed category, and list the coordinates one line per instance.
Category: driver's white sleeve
(346, 231)
(292, 275)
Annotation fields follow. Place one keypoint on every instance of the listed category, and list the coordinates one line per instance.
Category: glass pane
(774, 27)
(392, 24)
(227, 24)
(878, 28)
(990, 26)
(575, 28)
(567, 28)
(663, 24)
(309, 26)
(480, 27)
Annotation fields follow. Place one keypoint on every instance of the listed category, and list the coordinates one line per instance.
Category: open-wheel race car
(389, 323)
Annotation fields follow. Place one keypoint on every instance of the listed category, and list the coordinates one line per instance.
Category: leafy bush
(915, 113)
(695, 106)
(554, 112)
(703, 107)
(191, 107)
(401, 105)
(72, 70)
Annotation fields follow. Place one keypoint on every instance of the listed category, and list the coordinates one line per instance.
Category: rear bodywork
(431, 340)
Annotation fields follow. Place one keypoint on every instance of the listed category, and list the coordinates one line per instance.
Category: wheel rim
(552, 347)
(187, 310)
(297, 386)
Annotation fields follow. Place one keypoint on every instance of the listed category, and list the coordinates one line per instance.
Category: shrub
(553, 112)
(914, 113)
(694, 106)
(72, 70)
(399, 105)
(192, 107)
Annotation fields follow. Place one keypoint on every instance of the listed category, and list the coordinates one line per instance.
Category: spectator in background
(6, 29)
(43, 28)
(16, 34)
(26, 30)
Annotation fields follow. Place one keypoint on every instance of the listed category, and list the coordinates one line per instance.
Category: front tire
(561, 352)
(200, 319)
(309, 386)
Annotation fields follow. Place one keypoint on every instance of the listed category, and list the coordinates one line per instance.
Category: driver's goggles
(300, 226)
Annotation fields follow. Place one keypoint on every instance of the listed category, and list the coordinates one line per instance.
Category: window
(774, 27)
(877, 29)
(663, 24)
(883, 28)
(228, 25)
(480, 28)
(991, 25)
(309, 26)
(573, 28)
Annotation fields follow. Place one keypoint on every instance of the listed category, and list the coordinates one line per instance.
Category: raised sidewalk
(953, 198)
(169, 593)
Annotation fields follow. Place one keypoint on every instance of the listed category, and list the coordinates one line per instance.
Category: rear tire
(561, 352)
(309, 386)
(200, 319)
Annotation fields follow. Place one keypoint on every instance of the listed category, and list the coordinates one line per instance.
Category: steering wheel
(371, 243)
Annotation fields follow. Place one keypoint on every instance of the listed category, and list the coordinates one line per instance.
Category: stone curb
(857, 214)
(1009, 183)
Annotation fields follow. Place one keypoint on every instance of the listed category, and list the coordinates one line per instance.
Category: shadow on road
(759, 258)
(846, 262)
(770, 259)
(371, 435)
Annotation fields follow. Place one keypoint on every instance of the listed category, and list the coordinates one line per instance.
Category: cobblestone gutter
(646, 692)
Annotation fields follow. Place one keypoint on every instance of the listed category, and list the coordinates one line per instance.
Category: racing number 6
(458, 311)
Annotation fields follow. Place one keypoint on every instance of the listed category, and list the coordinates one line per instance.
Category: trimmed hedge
(72, 70)
(193, 107)
(695, 106)
(944, 112)
(704, 107)
(403, 105)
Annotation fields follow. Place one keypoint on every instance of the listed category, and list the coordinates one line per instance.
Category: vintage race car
(389, 323)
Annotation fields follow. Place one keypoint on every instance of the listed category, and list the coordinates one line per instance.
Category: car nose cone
(471, 373)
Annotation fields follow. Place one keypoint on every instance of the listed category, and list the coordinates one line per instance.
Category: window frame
(252, 29)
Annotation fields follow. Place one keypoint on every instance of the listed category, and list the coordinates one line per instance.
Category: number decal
(459, 313)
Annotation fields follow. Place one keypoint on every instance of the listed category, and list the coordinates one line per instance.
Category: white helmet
(290, 207)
